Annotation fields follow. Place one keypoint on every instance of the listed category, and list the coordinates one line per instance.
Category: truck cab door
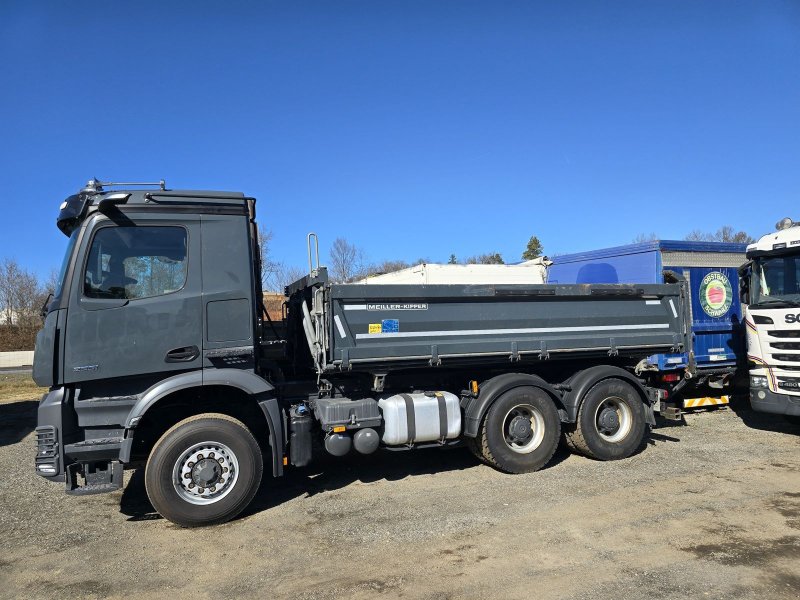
(135, 311)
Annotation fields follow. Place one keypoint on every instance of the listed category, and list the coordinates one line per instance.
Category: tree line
(347, 262)
(726, 233)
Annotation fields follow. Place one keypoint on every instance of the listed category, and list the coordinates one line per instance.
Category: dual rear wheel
(522, 428)
(611, 422)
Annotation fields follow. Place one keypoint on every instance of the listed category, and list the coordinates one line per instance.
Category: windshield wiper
(776, 302)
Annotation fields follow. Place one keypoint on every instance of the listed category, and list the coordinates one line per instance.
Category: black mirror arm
(46, 305)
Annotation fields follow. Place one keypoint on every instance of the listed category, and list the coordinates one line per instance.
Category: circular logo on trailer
(716, 294)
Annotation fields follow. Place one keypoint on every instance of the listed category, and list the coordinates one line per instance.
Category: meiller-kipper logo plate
(401, 306)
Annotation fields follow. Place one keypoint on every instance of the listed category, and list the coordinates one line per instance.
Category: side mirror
(744, 282)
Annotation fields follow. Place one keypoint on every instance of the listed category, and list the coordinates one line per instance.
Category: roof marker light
(784, 223)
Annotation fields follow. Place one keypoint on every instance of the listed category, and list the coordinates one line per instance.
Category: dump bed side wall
(407, 322)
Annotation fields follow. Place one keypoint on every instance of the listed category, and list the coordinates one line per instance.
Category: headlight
(758, 381)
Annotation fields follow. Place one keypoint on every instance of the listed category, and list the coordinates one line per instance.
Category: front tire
(611, 422)
(520, 431)
(203, 471)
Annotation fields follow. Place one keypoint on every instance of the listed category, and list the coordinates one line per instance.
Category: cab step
(86, 479)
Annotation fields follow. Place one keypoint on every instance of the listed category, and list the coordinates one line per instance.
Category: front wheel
(520, 431)
(611, 422)
(203, 471)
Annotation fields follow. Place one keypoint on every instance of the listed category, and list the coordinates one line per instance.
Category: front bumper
(764, 400)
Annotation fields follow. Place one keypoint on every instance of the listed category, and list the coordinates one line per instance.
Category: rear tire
(520, 431)
(474, 446)
(793, 419)
(203, 471)
(611, 422)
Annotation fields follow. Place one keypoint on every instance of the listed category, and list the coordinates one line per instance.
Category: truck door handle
(185, 354)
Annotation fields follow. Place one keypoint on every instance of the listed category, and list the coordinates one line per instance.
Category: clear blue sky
(410, 128)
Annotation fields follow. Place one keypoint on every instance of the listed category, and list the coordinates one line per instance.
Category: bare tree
(275, 275)
(284, 275)
(726, 233)
(645, 237)
(267, 265)
(696, 235)
(347, 261)
(20, 292)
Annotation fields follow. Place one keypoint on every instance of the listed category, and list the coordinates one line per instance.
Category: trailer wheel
(611, 422)
(203, 471)
(520, 431)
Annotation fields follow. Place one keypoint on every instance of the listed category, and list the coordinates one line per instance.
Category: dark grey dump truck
(159, 354)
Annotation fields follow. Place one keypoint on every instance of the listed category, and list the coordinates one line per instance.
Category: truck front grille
(785, 345)
(786, 357)
(793, 333)
(47, 450)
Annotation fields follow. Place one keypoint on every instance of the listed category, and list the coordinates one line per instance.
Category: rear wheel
(793, 419)
(203, 471)
(520, 431)
(611, 422)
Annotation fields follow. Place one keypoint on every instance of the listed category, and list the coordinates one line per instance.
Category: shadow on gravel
(17, 419)
(740, 405)
(327, 474)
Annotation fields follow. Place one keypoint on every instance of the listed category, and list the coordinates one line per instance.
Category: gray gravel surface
(708, 509)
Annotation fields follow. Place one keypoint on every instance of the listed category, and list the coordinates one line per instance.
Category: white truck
(770, 295)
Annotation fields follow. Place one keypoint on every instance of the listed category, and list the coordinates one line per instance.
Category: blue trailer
(710, 268)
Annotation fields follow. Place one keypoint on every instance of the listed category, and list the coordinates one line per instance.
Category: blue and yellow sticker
(385, 326)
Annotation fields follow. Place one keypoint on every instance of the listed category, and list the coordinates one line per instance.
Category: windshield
(775, 281)
(62, 273)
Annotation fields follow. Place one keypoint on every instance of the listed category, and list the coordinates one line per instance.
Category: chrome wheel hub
(205, 473)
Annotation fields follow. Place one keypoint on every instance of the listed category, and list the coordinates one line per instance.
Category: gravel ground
(709, 509)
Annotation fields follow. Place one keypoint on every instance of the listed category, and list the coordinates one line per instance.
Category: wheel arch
(493, 388)
(582, 381)
(211, 385)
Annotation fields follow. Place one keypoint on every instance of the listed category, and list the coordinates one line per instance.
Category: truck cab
(157, 306)
(770, 293)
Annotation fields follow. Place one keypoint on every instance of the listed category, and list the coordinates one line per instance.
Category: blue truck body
(709, 267)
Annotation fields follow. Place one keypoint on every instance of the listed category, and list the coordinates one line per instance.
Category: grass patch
(16, 386)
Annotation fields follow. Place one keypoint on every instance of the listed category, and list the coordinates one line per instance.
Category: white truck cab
(770, 294)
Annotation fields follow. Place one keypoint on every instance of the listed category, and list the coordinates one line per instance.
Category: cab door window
(127, 263)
